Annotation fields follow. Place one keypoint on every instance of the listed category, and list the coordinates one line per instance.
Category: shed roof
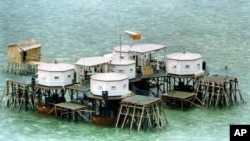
(144, 48)
(184, 56)
(27, 45)
(109, 77)
(93, 61)
(60, 67)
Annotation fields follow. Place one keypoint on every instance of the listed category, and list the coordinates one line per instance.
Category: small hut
(109, 84)
(184, 63)
(21, 54)
(50, 74)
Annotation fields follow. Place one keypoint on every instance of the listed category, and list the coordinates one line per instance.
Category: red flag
(136, 37)
(133, 35)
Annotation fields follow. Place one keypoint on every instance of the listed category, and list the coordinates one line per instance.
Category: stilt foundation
(19, 95)
(218, 90)
(180, 99)
(21, 68)
(141, 112)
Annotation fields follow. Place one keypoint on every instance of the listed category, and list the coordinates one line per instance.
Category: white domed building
(113, 84)
(52, 74)
(122, 62)
(184, 63)
(122, 51)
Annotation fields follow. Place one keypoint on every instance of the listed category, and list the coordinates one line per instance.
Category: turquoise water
(68, 30)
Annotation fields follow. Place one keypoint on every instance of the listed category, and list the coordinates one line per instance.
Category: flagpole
(119, 28)
(120, 36)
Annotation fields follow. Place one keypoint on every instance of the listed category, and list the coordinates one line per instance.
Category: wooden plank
(70, 105)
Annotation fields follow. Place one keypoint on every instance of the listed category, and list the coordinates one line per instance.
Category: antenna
(119, 27)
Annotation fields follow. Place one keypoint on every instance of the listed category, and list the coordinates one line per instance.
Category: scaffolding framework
(19, 95)
(141, 112)
(218, 90)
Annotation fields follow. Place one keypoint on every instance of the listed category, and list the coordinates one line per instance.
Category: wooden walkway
(141, 112)
(179, 99)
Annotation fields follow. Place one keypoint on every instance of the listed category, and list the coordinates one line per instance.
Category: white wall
(114, 88)
(189, 67)
(55, 78)
(129, 70)
(117, 55)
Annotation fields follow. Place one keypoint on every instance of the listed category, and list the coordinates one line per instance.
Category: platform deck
(217, 78)
(70, 106)
(179, 94)
(140, 100)
(71, 110)
(77, 87)
(141, 112)
(173, 98)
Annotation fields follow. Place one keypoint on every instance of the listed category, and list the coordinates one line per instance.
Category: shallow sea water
(68, 30)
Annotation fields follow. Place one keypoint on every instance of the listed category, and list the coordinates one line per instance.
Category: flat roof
(144, 48)
(93, 61)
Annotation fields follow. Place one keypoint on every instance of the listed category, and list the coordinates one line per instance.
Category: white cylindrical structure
(114, 84)
(124, 66)
(121, 52)
(50, 74)
(122, 62)
(184, 63)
